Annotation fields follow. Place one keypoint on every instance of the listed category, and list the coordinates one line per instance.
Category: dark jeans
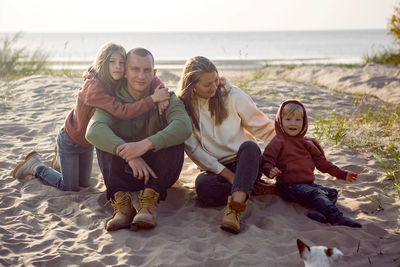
(213, 189)
(166, 163)
(311, 195)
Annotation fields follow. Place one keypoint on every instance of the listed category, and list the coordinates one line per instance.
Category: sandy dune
(42, 226)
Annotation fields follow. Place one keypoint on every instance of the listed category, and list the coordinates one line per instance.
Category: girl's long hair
(192, 71)
(101, 66)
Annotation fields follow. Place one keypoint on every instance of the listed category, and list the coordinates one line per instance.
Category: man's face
(139, 72)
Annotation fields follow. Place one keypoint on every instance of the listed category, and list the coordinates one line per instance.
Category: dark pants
(311, 195)
(166, 163)
(213, 189)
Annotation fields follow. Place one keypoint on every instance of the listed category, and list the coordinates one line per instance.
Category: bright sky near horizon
(189, 15)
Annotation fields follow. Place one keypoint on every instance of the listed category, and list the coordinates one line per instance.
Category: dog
(318, 256)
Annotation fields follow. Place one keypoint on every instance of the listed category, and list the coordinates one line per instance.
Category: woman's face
(207, 85)
(116, 66)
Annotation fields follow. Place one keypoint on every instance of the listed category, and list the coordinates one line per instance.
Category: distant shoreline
(233, 64)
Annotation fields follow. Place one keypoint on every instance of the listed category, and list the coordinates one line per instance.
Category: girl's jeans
(75, 162)
(213, 189)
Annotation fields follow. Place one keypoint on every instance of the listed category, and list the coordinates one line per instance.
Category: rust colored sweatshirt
(296, 156)
(93, 95)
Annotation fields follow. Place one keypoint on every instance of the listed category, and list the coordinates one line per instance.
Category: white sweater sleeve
(253, 119)
(200, 157)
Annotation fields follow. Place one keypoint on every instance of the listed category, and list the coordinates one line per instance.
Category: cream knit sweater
(212, 145)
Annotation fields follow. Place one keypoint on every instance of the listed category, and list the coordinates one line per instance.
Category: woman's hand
(228, 175)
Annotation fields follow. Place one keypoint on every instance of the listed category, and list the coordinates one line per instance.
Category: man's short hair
(140, 51)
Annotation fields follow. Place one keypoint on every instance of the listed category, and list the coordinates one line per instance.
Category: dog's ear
(334, 254)
(304, 250)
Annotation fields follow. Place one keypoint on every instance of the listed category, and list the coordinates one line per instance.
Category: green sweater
(172, 128)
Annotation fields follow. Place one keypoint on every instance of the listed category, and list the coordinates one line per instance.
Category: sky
(189, 15)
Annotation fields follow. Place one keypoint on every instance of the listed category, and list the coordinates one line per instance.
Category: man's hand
(351, 176)
(160, 94)
(274, 172)
(129, 151)
(141, 170)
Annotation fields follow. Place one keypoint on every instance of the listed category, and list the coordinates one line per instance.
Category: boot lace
(119, 203)
(147, 202)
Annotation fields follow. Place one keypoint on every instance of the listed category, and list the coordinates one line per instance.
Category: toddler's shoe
(342, 220)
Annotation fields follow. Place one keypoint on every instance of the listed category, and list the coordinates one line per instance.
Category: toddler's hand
(351, 176)
(160, 94)
(274, 172)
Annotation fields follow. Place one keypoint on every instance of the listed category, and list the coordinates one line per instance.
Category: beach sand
(42, 226)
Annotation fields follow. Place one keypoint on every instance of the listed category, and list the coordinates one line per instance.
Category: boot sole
(27, 157)
(229, 229)
(144, 224)
(118, 227)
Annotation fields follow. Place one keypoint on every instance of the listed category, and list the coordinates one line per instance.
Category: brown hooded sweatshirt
(296, 156)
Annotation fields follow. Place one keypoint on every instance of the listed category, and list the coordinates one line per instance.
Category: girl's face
(116, 66)
(207, 85)
(292, 123)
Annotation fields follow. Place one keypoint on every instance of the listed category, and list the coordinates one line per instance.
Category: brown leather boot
(123, 212)
(146, 216)
(232, 214)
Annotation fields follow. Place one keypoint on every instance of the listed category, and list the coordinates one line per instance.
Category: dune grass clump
(388, 56)
(18, 62)
(373, 130)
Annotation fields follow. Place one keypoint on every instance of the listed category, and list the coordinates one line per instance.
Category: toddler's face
(292, 124)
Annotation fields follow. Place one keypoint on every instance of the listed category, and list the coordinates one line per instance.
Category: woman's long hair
(192, 71)
(101, 66)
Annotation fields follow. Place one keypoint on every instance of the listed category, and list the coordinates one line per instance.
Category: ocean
(250, 49)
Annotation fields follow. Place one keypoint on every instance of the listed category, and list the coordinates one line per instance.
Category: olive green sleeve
(100, 134)
(179, 126)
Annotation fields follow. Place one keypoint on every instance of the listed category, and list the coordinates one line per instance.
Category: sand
(42, 226)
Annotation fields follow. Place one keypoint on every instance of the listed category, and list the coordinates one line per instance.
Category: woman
(226, 123)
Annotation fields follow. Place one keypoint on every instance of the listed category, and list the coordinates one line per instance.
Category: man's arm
(179, 126)
(179, 129)
(99, 132)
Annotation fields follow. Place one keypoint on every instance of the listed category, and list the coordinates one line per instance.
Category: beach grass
(389, 56)
(17, 62)
(369, 130)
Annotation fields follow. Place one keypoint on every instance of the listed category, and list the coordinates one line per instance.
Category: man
(141, 154)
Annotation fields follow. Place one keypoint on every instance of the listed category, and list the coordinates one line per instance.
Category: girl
(75, 153)
(225, 124)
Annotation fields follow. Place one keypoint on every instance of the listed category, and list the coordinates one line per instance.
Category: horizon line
(200, 31)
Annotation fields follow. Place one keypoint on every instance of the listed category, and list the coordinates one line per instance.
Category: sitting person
(140, 154)
(291, 157)
(71, 166)
(226, 122)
